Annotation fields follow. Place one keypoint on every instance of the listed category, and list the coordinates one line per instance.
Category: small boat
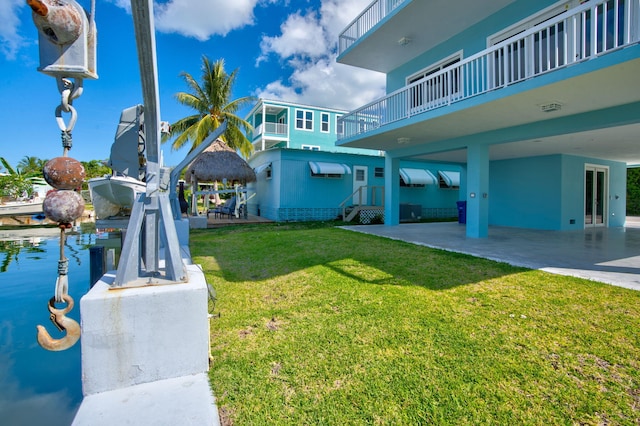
(115, 194)
(21, 208)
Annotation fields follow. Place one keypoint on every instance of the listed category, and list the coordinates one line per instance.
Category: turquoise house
(537, 103)
(302, 175)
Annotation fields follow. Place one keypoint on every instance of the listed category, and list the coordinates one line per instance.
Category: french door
(596, 184)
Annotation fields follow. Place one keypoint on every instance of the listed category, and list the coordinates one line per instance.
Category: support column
(391, 190)
(477, 191)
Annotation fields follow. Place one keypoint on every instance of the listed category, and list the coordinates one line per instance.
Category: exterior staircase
(373, 211)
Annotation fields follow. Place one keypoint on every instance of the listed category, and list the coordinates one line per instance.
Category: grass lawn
(320, 325)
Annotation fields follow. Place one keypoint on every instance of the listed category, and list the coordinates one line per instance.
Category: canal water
(38, 387)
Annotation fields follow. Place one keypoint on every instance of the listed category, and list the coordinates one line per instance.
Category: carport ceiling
(615, 144)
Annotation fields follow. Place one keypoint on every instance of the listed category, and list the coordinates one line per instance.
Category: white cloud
(202, 19)
(307, 43)
(326, 83)
(301, 35)
(10, 39)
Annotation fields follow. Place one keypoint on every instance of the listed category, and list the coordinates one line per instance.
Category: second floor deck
(584, 33)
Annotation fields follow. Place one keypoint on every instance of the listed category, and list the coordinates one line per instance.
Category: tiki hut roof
(219, 162)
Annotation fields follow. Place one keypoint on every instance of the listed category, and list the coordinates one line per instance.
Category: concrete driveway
(609, 255)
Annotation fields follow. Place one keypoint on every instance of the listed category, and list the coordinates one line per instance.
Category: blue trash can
(462, 211)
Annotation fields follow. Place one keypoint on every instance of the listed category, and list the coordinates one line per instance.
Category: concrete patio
(609, 255)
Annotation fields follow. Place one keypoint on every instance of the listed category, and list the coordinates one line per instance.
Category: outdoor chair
(228, 208)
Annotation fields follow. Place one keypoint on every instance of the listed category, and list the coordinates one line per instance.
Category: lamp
(404, 41)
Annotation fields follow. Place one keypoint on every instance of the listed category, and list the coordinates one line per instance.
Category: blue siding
(526, 192)
(294, 194)
(548, 192)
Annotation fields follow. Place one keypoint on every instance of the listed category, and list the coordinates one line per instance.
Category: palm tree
(15, 184)
(31, 166)
(212, 103)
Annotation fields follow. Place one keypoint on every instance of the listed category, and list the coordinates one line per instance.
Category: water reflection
(38, 386)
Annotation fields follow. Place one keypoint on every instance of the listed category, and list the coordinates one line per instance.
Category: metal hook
(63, 323)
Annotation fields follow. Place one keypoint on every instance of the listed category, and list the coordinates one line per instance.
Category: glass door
(595, 196)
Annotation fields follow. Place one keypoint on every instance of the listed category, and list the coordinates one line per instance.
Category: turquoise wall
(548, 192)
(525, 192)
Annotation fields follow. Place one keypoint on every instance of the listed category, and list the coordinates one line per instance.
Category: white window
(339, 125)
(429, 90)
(311, 147)
(304, 119)
(324, 122)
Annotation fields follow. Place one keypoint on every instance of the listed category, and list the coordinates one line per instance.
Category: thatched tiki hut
(215, 164)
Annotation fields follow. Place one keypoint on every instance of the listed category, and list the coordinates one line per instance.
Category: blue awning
(417, 177)
(261, 168)
(450, 178)
(318, 167)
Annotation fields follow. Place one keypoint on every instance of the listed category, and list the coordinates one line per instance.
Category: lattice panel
(369, 216)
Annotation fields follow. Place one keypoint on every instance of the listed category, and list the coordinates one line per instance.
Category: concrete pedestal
(145, 354)
(139, 335)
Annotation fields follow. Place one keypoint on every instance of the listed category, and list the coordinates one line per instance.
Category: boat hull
(114, 195)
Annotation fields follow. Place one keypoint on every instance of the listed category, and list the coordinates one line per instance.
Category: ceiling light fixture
(404, 41)
(404, 140)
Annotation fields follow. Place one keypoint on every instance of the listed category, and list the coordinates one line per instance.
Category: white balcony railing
(371, 16)
(277, 129)
(585, 32)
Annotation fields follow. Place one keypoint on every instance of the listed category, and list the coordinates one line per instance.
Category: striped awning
(318, 167)
(450, 178)
(417, 177)
(262, 168)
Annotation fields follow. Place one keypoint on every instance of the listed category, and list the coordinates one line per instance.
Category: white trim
(605, 195)
(451, 179)
(304, 119)
(319, 167)
(417, 177)
(311, 147)
(285, 104)
(531, 21)
(436, 66)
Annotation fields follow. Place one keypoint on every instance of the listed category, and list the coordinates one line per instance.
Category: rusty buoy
(63, 206)
(64, 173)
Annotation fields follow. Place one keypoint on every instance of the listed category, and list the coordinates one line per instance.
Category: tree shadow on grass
(267, 252)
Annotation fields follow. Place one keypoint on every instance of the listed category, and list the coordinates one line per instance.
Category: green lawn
(321, 325)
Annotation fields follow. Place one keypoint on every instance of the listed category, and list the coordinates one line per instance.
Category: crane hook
(63, 323)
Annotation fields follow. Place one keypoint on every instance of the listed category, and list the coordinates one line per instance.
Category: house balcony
(585, 33)
(270, 135)
(277, 130)
(389, 33)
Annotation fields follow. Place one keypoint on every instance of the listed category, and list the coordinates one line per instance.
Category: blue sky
(283, 49)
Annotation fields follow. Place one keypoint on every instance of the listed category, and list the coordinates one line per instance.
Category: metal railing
(369, 18)
(587, 31)
(370, 192)
(272, 129)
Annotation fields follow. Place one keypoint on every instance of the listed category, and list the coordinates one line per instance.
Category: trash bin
(462, 211)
